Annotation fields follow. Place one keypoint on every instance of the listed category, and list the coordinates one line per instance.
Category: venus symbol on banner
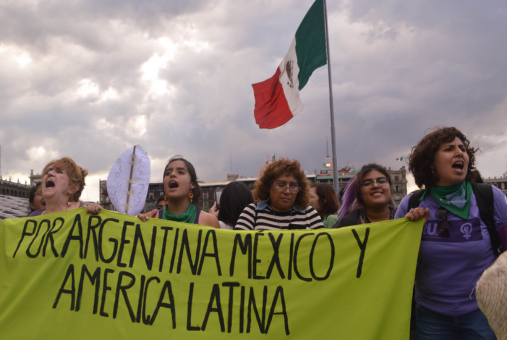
(128, 180)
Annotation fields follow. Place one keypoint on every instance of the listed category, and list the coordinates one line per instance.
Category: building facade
(500, 182)
(15, 189)
(211, 190)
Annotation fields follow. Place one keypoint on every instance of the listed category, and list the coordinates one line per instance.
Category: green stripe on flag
(311, 43)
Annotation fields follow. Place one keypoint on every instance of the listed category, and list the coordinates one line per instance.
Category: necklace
(278, 221)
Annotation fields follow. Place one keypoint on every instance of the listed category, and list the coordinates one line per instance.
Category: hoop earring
(191, 195)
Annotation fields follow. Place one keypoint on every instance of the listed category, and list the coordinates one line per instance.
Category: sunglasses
(443, 226)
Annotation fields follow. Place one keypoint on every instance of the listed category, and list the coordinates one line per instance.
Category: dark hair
(161, 198)
(353, 197)
(235, 197)
(421, 160)
(276, 169)
(31, 196)
(477, 176)
(359, 180)
(196, 191)
(327, 199)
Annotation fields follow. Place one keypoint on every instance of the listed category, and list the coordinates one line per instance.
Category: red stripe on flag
(271, 107)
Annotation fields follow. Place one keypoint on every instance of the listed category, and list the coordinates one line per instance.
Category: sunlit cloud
(87, 88)
(137, 125)
(110, 93)
(23, 60)
(41, 154)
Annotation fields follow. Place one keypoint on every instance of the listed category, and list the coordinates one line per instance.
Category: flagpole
(331, 108)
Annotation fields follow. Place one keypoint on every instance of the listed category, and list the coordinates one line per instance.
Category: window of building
(396, 178)
(503, 186)
(151, 195)
(397, 189)
(205, 196)
(205, 206)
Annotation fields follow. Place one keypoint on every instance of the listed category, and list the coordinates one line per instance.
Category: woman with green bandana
(456, 244)
(181, 194)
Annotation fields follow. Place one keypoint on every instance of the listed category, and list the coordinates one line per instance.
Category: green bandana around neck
(187, 217)
(455, 198)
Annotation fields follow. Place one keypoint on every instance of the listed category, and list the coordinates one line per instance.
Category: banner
(111, 276)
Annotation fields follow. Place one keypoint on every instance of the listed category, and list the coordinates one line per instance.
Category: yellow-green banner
(75, 276)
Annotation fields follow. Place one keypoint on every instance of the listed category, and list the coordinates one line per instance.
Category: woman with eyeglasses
(456, 244)
(281, 196)
(367, 199)
(181, 194)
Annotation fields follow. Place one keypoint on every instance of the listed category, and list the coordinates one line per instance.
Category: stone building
(15, 189)
(35, 178)
(399, 178)
(500, 182)
(209, 190)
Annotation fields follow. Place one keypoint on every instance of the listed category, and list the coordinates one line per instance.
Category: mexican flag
(399, 159)
(277, 98)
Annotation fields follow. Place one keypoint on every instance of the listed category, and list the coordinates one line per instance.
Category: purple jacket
(448, 268)
(39, 212)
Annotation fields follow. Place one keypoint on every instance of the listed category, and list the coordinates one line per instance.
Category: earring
(191, 196)
(165, 199)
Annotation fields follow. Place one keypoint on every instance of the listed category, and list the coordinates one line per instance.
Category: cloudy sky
(88, 79)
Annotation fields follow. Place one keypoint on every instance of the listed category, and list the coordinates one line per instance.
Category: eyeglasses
(380, 181)
(443, 226)
(293, 188)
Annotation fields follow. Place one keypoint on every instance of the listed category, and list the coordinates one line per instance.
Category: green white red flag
(277, 98)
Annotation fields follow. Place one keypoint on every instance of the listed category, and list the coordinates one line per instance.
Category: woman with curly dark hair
(281, 196)
(456, 245)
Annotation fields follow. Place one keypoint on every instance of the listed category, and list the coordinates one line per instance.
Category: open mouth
(173, 185)
(49, 183)
(459, 165)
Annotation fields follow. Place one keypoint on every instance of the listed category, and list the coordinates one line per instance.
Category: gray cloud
(99, 74)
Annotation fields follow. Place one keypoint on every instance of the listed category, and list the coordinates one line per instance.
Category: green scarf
(187, 217)
(455, 198)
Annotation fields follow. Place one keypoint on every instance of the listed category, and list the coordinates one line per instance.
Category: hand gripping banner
(111, 276)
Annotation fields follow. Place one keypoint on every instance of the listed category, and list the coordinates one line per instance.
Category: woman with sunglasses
(281, 196)
(181, 193)
(367, 199)
(456, 245)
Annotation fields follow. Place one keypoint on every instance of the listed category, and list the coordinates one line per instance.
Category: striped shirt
(267, 219)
